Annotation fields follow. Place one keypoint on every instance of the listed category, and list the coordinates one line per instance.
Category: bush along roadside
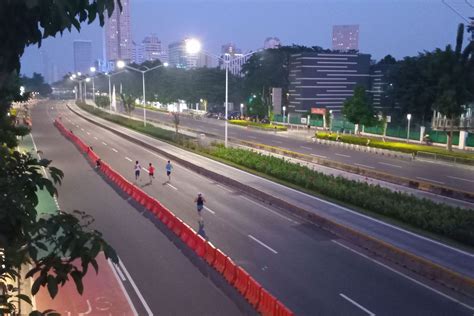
(392, 145)
(451, 222)
(270, 127)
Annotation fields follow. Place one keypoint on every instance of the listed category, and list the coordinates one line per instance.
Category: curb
(419, 265)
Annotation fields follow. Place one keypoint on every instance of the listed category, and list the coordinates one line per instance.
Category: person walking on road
(169, 167)
(151, 172)
(137, 169)
(200, 205)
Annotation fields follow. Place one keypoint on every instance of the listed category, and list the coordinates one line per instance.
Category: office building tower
(82, 55)
(271, 43)
(236, 59)
(118, 35)
(345, 37)
(177, 54)
(151, 48)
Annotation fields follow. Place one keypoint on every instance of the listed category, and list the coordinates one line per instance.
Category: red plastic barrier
(200, 246)
(229, 272)
(241, 280)
(253, 292)
(149, 205)
(166, 216)
(267, 303)
(219, 263)
(282, 310)
(172, 222)
(210, 253)
(186, 233)
(178, 227)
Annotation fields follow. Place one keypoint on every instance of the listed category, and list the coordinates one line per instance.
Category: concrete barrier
(417, 264)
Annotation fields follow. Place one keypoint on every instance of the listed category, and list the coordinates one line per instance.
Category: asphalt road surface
(311, 271)
(452, 176)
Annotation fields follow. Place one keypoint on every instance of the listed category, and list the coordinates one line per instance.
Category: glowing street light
(408, 130)
(93, 70)
(193, 46)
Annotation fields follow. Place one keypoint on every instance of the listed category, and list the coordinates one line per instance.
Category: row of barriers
(248, 287)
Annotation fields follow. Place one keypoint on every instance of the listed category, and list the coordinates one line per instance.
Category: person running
(169, 167)
(151, 172)
(137, 169)
(200, 205)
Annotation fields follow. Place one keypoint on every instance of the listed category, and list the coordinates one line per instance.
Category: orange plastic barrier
(210, 253)
(186, 233)
(241, 280)
(200, 246)
(253, 292)
(229, 272)
(178, 227)
(219, 263)
(267, 303)
(282, 310)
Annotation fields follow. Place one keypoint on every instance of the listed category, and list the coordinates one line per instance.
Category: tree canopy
(358, 109)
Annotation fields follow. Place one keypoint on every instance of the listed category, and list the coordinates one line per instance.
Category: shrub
(258, 125)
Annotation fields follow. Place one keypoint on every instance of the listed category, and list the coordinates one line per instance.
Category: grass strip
(259, 125)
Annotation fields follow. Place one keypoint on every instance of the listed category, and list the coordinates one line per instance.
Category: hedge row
(391, 145)
(452, 222)
(258, 125)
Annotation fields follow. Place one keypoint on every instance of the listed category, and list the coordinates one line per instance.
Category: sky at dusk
(397, 27)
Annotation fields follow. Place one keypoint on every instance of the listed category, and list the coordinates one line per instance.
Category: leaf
(25, 298)
(52, 286)
(38, 282)
(77, 277)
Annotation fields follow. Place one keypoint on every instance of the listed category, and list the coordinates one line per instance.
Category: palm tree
(455, 84)
(128, 103)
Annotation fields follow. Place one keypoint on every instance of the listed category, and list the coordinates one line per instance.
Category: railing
(445, 158)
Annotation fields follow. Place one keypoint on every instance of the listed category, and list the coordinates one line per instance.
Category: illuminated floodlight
(193, 46)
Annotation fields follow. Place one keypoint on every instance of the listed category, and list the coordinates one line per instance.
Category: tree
(128, 103)
(456, 80)
(176, 122)
(61, 238)
(357, 109)
(36, 84)
(102, 101)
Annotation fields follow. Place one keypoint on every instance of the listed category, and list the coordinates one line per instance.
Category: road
(452, 176)
(164, 277)
(310, 270)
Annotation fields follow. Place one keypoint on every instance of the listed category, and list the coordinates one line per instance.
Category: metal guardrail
(445, 158)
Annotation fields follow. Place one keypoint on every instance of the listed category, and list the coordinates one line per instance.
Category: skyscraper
(118, 35)
(151, 47)
(82, 55)
(177, 54)
(271, 42)
(345, 37)
(236, 58)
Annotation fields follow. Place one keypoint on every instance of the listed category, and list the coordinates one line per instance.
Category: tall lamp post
(408, 131)
(85, 88)
(110, 86)
(93, 70)
(241, 109)
(193, 46)
(284, 113)
(121, 64)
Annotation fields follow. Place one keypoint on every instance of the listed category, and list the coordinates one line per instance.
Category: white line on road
(82, 129)
(277, 141)
(429, 180)
(389, 164)
(261, 243)
(128, 159)
(145, 169)
(104, 143)
(308, 148)
(462, 179)
(88, 133)
(167, 183)
(140, 296)
(270, 210)
(342, 155)
(120, 273)
(357, 304)
(129, 300)
(363, 166)
(319, 156)
(115, 150)
(95, 138)
(405, 276)
(209, 210)
(39, 156)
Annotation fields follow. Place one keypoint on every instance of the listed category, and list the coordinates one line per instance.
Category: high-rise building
(236, 59)
(82, 55)
(177, 54)
(118, 35)
(151, 47)
(345, 37)
(325, 80)
(271, 43)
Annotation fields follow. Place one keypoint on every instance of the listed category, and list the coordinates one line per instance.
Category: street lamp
(93, 70)
(85, 88)
(408, 131)
(284, 113)
(193, 46)
(122, 64)
(241, 109)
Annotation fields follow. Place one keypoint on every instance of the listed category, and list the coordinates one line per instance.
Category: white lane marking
(115, 150)
(169, 184)
(88, 133)
(363, 166)
(308, 148)
(128, 159)
(277, 141)
(95, 138)
(120, 273)
(319, 156)
(429, 180)
(39, 156)
(403, 275)
(342, 155)
(209, 210)
(253, 137)
(309, 196)
(389, 164)
(145, 169)
(137, 291)
(264, 245)
(130, 303)
(82, 129)
(270, 210)
(357, 304)
(105, 144)
(462, 179)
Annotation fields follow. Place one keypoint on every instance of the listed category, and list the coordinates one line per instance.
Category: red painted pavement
(103, 295)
